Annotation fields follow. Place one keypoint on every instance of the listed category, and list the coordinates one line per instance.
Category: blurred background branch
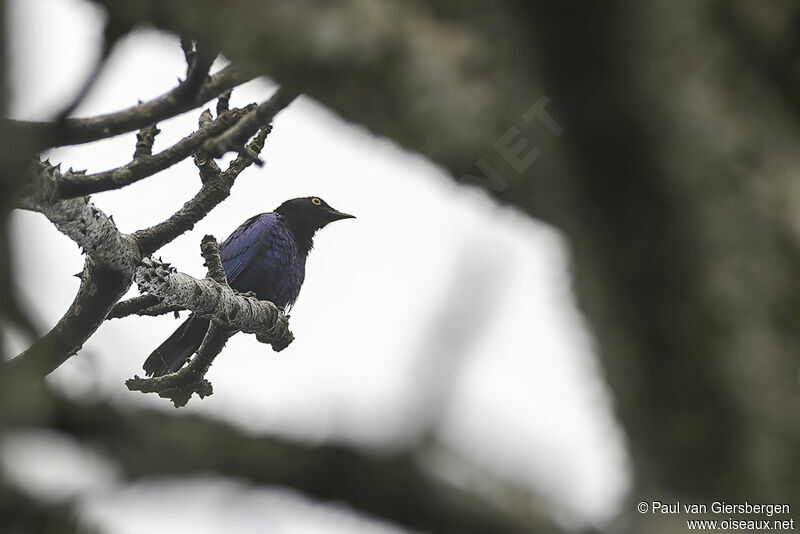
(144, 443)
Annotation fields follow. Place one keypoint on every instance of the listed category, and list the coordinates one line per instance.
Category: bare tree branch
(177, 101)
(250, 155)
(107, 274)
(144, 166)
(180, 385)
(238, 134)
(80, 220)
(101, 287)
(210, 300)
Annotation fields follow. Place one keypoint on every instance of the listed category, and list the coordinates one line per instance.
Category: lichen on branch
(209, 299)
(116, 260)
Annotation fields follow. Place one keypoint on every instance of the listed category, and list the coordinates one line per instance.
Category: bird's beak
(334, 215)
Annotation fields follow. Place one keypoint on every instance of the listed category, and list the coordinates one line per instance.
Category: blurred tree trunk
(685, 239)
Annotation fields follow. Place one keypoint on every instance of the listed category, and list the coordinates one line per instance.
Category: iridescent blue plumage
(265, 255)
(262, 256)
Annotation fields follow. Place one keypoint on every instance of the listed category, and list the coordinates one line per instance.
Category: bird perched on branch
(265, 255)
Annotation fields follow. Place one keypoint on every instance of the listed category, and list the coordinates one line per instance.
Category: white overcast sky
(525, 399)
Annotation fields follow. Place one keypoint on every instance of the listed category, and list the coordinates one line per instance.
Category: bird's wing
(243, 245)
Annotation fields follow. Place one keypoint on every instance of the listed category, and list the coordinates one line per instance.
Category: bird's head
(313, 211)
(306, 215)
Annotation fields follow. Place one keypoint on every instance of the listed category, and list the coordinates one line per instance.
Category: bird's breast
(278, 269)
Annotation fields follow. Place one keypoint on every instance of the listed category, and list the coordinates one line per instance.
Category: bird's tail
(178, 348)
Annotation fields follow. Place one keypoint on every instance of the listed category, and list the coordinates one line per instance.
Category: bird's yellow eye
(316, 201)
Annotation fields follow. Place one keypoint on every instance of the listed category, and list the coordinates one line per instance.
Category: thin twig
(144, 141)
(255, 146)
(234, 139)
(209, 248)
(206, 166)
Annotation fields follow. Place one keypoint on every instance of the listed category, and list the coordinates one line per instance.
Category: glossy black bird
(265, 255)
